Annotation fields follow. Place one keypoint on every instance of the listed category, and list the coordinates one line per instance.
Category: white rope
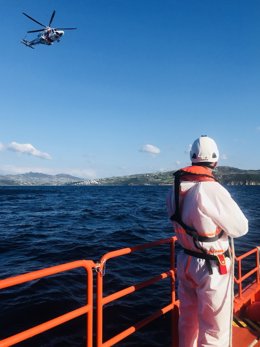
(232, 274)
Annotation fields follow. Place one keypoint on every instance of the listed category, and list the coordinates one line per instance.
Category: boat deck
(246, 333)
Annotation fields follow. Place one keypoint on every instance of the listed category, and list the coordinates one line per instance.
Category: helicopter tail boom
(27, 43)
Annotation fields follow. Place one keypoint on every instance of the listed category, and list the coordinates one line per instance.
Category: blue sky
(131, 88)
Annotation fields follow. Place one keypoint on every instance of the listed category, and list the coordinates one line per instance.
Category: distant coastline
(225, 175)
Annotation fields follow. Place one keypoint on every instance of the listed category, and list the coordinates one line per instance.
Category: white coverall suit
(205, 300)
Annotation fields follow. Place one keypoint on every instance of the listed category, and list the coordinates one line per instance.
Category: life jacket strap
(219, 259)
(193, 232)
(204, 255)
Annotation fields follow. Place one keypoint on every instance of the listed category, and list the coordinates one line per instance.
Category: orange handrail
(256, 270)
(102, 300)
(88, 265)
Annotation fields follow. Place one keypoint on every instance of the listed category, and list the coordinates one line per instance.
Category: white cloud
(27, 148)
(178, 163)
(150, 149)
(2, 146)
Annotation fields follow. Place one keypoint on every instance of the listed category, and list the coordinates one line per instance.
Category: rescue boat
(246, 309)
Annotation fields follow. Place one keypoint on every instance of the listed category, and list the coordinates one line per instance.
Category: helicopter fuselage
(47, 37)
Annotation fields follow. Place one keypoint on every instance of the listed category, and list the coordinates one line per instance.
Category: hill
(226, 175)
(37, 179)
(233, 176)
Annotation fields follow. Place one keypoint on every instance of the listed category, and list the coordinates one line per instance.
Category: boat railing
(104, 300)
(101, 300)
(240, 280)
(87, 309)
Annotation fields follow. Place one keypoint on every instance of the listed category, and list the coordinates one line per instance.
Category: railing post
(239, 278)
(174, 315)
(89, 339)
(258, 264)
(100, 305)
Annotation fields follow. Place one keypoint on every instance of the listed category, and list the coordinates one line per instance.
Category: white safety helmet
(204, 149)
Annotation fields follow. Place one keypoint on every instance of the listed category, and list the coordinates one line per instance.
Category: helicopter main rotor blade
(65, 28)
(52, 16)
(35, 31)
(34, 20)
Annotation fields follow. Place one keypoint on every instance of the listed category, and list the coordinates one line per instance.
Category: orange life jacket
(194, 173)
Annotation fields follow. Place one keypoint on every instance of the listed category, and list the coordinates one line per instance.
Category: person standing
(204, 216)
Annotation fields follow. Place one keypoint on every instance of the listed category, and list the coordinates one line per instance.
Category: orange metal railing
(87, 309)
(103, 300)
(241, 278)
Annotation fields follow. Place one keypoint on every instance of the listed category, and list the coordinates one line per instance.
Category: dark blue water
(46, 226)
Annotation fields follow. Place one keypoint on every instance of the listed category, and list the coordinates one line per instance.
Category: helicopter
(47, 35)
